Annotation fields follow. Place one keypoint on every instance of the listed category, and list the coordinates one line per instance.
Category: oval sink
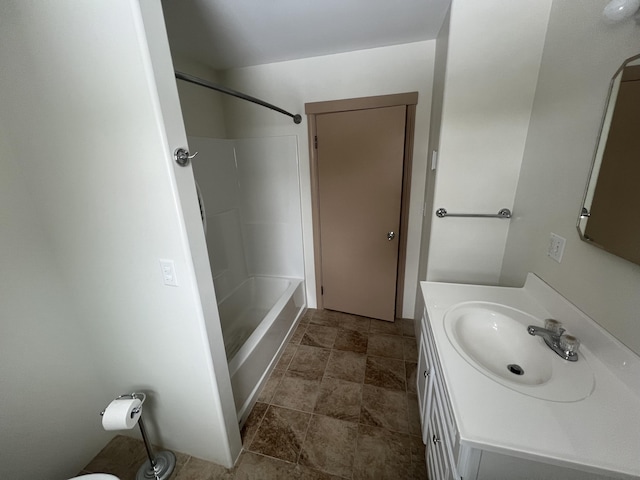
(493, 338)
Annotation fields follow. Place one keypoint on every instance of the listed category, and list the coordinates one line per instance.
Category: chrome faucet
(553, 335)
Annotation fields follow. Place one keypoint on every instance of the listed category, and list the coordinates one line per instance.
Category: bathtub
(257, 320)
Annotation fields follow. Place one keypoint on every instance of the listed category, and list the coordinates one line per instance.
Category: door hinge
(315, 142)
(321, 290)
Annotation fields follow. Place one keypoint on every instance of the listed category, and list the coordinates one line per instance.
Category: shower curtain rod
(204, 83)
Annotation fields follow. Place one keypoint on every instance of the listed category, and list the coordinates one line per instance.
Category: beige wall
(378, 71)
(494, 52)
(581, 54)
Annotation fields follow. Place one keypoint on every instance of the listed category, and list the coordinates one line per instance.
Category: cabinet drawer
(422, 373)
(441, 438)
(439, 389)
(440, 394)
(437, 459)
(424, 382)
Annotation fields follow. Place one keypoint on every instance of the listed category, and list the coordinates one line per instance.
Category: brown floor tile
(408, 327)
(385, 373)
(355, 322)
(252, 466)
(418, 459)
(266, 394)
(296, 391)
(381, 345)
(319, 336)
(351, 341)
(307, 316)
(384, 408)
(310, 361)
(326, 318)
(348, 366)
(382, 455)
(121, 457)
(410, 349)
(413, 414)
(252, 423)
(410, 369)
(298, 334)
(330, 445)
(287, 355)
(181, 458)
(390, 328)
(339, 399)
(197, 469)
(281, 433)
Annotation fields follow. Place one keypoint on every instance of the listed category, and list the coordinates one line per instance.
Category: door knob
(391, 235)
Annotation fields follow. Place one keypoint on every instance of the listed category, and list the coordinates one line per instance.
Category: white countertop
(600, 433)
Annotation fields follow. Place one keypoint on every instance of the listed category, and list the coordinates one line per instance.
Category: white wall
(580, 56)
(251, 193)
(270, 204)
(215, 171)
(50, 393)
(494, 52)
(435, 125)
(213, 412)
(83, 127)
(379, 71)
(202, 107)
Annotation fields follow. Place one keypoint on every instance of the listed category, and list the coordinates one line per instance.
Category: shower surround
(250, 199)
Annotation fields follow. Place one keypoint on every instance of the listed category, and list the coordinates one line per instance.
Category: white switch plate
(168, 273)
(556, 247)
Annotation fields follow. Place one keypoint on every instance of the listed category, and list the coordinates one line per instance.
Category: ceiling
(236, 33)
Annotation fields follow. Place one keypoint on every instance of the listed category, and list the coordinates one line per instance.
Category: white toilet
(95, 476)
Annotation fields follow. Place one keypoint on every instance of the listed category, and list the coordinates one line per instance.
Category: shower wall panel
(270, 203)
(215, 172)
(251, 192)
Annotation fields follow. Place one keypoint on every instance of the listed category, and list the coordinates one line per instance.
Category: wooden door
(360, 166)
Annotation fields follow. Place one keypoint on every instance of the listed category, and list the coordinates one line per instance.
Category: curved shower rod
(234, 93)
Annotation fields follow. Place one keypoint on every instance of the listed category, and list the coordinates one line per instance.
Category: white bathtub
(257, 319)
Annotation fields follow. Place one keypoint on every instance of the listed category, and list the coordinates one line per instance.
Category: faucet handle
(569, 344)
(554, 326)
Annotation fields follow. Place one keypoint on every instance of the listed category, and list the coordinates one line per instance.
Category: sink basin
(493, 338)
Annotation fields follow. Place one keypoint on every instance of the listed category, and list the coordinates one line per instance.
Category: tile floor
(340, 403)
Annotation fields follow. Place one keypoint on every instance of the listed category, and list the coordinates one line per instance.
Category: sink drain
(515, 369)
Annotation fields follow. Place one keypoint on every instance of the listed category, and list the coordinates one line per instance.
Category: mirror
(610, 215)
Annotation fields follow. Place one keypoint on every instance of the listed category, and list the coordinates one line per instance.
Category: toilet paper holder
(160, 466)
(139, 395)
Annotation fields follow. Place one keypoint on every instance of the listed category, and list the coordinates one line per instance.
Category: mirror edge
(583, 209)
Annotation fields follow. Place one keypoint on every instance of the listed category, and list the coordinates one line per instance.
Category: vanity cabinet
(439, 432)
(448, 455)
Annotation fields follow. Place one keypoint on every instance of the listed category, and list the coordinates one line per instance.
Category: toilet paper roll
(119, 414)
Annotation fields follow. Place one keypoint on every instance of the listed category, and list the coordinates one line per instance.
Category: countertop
(600, 433)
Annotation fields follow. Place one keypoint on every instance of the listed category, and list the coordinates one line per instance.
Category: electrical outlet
(168, 273)
(556, 247)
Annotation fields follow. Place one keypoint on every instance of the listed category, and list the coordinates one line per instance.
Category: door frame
(409, 100)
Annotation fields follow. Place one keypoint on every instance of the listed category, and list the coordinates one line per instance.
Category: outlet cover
(168, 273)
(556, 247)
